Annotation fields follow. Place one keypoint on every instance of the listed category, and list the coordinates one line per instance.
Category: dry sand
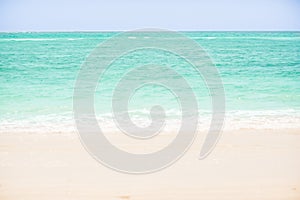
(246, 164)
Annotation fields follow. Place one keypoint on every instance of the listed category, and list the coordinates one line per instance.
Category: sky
(80, 15)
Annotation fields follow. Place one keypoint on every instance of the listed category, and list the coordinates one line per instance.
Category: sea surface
(260, 73)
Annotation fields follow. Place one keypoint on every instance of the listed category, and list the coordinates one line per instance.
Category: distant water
(260, 72)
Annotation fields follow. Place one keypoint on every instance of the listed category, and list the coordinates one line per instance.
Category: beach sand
(246, 164)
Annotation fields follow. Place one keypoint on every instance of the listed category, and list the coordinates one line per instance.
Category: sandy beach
(246, 164)
(85, 86)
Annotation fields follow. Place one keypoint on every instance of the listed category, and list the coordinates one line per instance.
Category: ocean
(260, 73)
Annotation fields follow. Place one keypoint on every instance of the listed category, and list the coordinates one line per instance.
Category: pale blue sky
(76, 15)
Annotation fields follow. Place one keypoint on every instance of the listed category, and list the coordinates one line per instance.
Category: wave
(39, 39)
(247, 37)
(234, 120)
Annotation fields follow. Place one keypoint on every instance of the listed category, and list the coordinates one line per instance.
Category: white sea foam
(247, 37)
(28, 39)
(38, 39)
(234, 120)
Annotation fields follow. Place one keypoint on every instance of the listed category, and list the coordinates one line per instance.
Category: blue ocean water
(260, 73)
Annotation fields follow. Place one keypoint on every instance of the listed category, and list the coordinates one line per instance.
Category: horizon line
(183, 30)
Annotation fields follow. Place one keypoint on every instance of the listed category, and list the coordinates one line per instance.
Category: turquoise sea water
(260, 72)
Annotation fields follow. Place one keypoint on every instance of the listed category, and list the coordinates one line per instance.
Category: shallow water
(260, 72)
